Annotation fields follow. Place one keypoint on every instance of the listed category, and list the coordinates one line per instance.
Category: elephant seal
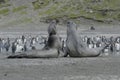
(75, 46)
(52, 48)
(54, 39)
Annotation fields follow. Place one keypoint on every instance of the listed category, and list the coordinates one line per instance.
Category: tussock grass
(17, 9)
(38, 4)
(4, 11)
(103, 10)
(5, 5)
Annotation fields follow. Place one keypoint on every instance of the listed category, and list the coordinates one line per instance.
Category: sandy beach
(97, 68)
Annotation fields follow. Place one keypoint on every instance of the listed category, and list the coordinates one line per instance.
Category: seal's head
(52, 28)
(71, 24)
(71, 27)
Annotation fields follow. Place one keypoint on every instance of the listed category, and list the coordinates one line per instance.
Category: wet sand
(99, 68)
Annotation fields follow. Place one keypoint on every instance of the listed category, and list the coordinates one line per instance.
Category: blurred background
(22, 12)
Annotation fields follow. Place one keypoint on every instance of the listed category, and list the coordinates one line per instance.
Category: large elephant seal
(75, 47)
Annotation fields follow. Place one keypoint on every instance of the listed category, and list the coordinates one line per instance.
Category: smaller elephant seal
(53, 37)
(52, 48)
(75, 46)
